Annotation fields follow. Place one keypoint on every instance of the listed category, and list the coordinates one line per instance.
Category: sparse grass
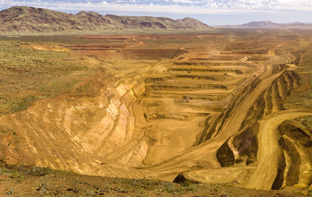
(56, 86)
(306, 121)
(36, 181)
(27, 74)
(10, 192)
(301, 99)
(307, 60)
(20, 172)
(309, 192)
(23, 104)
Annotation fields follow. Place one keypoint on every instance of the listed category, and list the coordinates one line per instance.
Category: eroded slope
(205, 108)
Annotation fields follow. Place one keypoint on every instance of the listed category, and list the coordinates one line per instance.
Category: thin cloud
(187, 1)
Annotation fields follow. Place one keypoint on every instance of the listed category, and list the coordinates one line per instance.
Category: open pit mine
(221, 107)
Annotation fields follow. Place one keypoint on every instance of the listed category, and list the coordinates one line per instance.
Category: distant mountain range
(29, 20)
(22, 20)
(271, 25)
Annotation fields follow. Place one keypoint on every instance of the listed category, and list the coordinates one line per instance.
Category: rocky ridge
(29, 20)
(271, 25)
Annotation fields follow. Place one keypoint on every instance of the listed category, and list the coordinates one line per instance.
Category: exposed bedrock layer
(193, 118)
(76, 134)
(137, 122)
(235, 140)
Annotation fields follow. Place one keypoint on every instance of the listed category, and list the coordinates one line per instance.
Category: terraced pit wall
(88, 128)
(199, 113)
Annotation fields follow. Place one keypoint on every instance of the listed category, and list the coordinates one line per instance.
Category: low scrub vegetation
(37, 181)
(28, 73)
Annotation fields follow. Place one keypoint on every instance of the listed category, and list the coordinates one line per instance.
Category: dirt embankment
(191, 112)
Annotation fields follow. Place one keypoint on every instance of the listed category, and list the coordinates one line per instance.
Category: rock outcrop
(29, 20)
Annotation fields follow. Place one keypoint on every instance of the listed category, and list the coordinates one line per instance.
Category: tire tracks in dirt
(206, 152)
(269, 153)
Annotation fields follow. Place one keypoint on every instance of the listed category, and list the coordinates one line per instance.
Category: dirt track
(270, 154)
(207, 151)
(199, 107)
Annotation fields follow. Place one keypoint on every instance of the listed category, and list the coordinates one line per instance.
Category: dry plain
(229, 107)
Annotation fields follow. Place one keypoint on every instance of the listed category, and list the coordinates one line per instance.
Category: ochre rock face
(207, 108)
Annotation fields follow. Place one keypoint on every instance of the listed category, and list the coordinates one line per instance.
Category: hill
(262, 24)
(229, 107)
(29, 20)
(271, 25)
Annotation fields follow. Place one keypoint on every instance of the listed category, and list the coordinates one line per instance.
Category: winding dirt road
(207, 151)
(210, 112)
(270, 153)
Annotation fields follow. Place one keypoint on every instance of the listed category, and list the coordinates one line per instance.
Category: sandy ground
(204, 108)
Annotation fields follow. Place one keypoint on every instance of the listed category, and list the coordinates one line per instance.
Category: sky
(211, 12)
